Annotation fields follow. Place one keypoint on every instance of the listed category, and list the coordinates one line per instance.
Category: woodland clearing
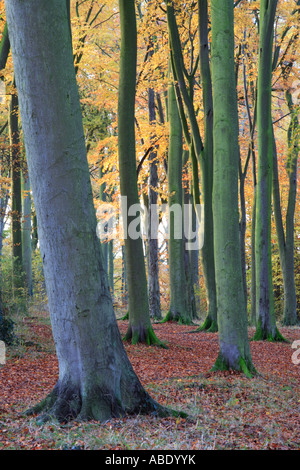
(228, 411)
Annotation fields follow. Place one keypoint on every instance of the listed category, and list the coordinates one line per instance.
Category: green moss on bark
(241, 366)
(144, 335)
(178, 317)
(209, 325)
(262, 334)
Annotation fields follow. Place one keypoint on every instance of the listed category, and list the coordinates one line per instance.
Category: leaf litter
(226, 409)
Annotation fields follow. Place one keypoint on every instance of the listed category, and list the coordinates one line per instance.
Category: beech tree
(286, 232)
(207, 252)
(16, 195)
(199, 153)
(4, 51)
(139, 328)
(178, 308)
(26, 234)
(266, 324)
(96, 379)
(234, 350)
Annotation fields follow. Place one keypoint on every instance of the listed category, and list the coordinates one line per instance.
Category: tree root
(177, 317)
(262, 335)
(143, 335)
(64, 407)
(209, 326)
(242, 366)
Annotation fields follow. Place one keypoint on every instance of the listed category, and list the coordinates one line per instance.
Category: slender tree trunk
(266, 324)
(111, 266)
(194, 254)
(96, 379)
(16, 193)
(124, 278)
(3, 207)
(139, 329)
(178, 309)
(153, 267)
(188, 240)
(4, 51)
(253, 268)
(4, 48)
(207, 252)
(234, 350)
(35, 238)
(197, 151)
(286, 239)
(26, 235)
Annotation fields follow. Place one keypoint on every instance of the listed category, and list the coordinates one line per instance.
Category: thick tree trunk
(234, 350)
(96, 379)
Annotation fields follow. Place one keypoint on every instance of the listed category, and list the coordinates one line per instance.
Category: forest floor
(228, 410)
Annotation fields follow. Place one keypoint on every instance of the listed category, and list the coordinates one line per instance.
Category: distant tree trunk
(16, 194)
(234, 352)
(26, 235)
(197, 151)
(253, 268)
(4, 197)
(194, 254)
(253, 215)
(188, 239)
(178, 309)
(96, 379)
(4, 48)
(207, 252)
(4, 51)
(286, 239)
(35, 238)
(140, 328)
(111, 266)
(266, 324)
(124, 278)
(153, 268)
(104, 243)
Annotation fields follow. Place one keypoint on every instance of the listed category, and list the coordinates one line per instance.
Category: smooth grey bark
(234, 349)
(96, 379)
